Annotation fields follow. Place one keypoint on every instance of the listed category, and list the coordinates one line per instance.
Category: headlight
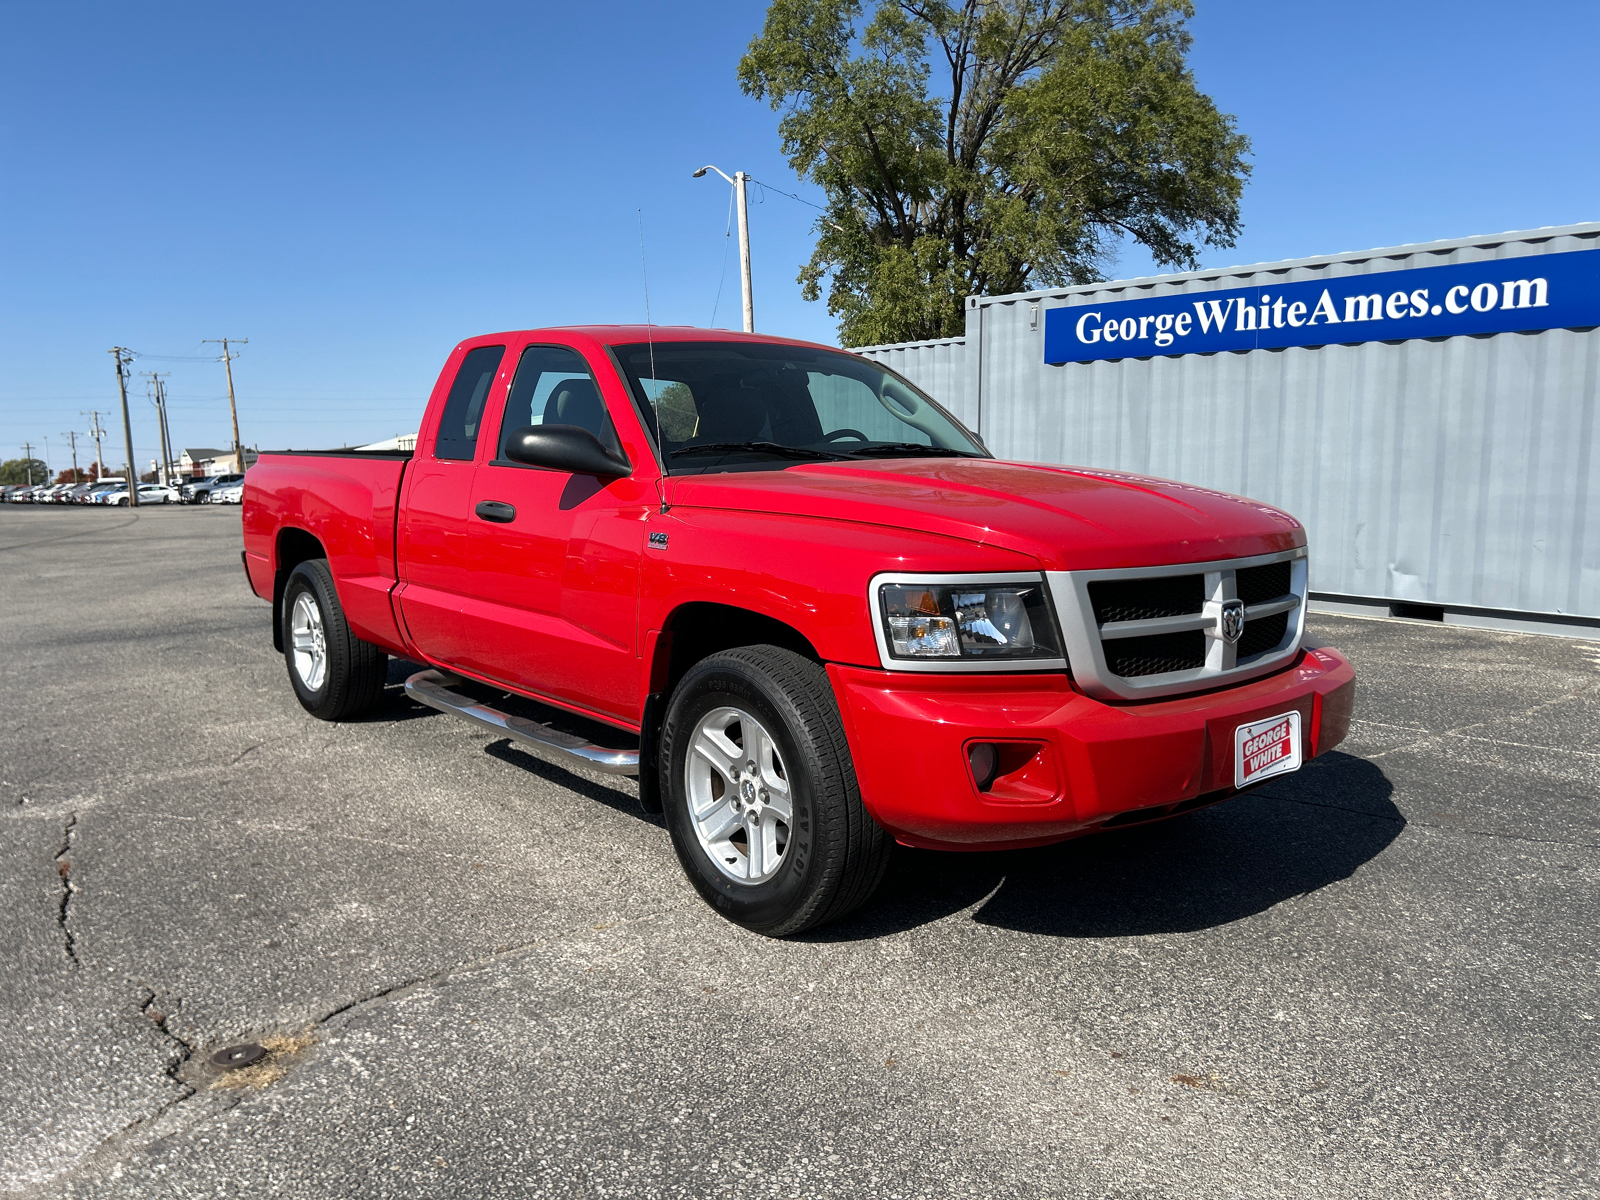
(964, 624)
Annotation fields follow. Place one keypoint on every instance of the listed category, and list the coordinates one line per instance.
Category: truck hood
(1069, 518)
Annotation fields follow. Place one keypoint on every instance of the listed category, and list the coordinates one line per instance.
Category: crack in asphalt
(185, 1051)
(64, 871)
(501, 954)
(234, 761)
(118, 1145)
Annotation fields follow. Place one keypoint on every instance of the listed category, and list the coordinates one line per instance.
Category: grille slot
(1157, 653)
(1257, 585)
(1141, 599)
(1263, 634)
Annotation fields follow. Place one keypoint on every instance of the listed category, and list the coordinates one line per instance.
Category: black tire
(355, 670)
(837, 854)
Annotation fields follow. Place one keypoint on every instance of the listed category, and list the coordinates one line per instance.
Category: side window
(463, 408)
(553, 387)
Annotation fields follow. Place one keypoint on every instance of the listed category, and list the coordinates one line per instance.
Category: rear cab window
(462, 416)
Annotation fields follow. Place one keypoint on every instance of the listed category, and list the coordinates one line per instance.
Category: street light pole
(739, 179)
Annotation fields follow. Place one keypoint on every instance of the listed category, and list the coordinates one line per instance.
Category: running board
(432, 688)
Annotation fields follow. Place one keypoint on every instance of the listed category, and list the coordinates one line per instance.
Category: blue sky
(357, 187)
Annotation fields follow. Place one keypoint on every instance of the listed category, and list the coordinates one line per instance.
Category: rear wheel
(760, 795)
(335, 674)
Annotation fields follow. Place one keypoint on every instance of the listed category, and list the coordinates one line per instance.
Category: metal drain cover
(232, 1057)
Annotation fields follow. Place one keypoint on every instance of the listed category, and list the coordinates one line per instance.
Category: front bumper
(1098, 763)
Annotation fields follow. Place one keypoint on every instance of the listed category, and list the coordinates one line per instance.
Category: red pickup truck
(813, 613)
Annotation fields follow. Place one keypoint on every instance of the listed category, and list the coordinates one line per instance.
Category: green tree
(991, 146)
(16, 470)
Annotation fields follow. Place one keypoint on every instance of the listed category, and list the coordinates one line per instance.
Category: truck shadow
(624, 802)
(399, 707)
(1201, 870)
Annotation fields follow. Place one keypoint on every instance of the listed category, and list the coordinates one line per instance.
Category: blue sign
(1507, 295)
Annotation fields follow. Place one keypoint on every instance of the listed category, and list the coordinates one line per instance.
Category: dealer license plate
(1263, 749)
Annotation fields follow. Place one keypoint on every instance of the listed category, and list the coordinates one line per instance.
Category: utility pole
(227, 359)
(159, 399)
(27, 458)
(124, 356)
(97, 433)
(47, 458)
(739, 180)
(72, 437)
(166, 432)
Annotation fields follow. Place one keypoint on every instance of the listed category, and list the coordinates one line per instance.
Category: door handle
(495, 510)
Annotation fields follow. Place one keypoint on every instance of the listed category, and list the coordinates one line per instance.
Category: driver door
(556, 556)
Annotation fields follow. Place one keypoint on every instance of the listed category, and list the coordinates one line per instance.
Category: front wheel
(760, 795)
(334, 673)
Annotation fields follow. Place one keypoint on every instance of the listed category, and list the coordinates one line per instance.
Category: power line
(727, 236)
(767, 187)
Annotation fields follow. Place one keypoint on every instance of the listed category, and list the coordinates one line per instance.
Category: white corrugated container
(1458, 472)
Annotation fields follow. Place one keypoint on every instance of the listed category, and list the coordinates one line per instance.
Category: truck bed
(345, 499)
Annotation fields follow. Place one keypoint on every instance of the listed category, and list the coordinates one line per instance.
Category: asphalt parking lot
(485, 975)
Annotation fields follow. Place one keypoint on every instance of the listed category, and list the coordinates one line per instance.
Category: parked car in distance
(232, 493)
(200, 491)
(149, 493)
(824, 614)
(98, 493)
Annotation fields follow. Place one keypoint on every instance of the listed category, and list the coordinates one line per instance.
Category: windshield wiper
(908, 450)
(760, 448)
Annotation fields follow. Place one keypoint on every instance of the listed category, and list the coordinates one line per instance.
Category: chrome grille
(1157, 631)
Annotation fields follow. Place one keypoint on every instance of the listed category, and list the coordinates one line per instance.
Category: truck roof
(660, 333)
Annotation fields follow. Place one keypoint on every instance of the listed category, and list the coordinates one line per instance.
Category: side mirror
(564, 448)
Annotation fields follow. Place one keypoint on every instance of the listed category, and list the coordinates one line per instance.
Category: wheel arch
(698, 629)
(695, 630)
(292, 547)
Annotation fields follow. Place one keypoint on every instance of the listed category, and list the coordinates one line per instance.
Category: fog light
(984, 761)
(1015, 772)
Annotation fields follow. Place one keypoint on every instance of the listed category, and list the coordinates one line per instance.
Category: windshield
(720, 406)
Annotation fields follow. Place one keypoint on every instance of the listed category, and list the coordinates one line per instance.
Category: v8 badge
(658, 541)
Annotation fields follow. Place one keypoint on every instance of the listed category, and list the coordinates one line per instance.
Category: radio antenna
(649, 333)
